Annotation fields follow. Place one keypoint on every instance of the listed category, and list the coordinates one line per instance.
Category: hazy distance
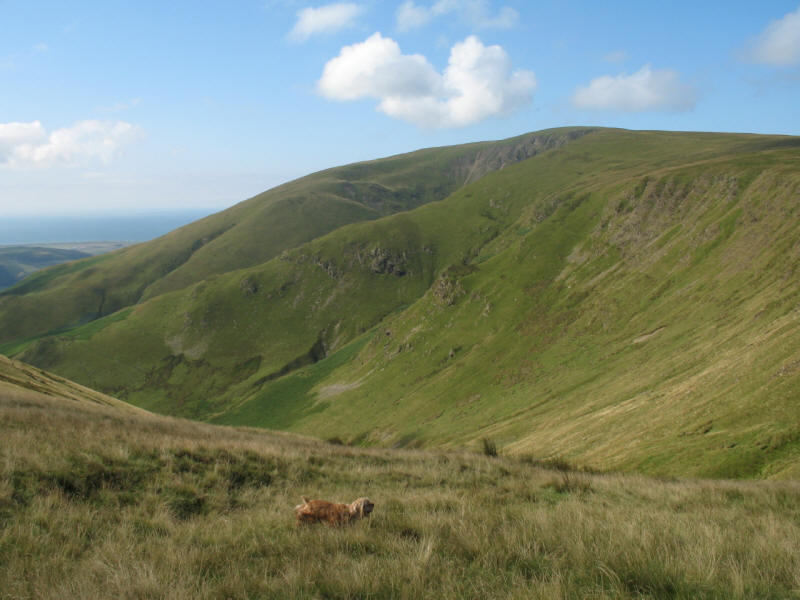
(91, 228)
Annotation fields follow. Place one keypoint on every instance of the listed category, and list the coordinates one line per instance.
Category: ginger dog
(331, 513)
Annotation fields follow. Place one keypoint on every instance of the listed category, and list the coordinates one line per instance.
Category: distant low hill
(627, 300)
(17, 262)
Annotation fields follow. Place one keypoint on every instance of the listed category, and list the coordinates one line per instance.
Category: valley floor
(100, 503)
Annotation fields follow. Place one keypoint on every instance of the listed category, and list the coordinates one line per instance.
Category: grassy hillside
(648, 324)
(254, 231)
(22, 383)
(627, 300)
(17, 262)
(100, 503)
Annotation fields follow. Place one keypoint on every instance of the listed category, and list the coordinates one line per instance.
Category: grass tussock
(95, 503)
(489, 447)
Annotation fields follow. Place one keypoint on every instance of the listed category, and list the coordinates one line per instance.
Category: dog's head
(361, 508)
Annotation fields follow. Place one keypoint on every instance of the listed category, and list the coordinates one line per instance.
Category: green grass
(97, 502)
(281, 402)
(81, 332)
(88, 331)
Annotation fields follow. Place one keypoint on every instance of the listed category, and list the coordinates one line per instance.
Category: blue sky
(133, 107)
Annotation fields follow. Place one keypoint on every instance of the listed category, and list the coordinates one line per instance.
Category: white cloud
(377, 68)
(325, 19)
(28, 145)
(779, 43)
(645, 90)
(478, 82)
(15, 135)
(476, 13)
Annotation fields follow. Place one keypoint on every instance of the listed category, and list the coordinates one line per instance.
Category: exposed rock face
(497, 157)
(248, 286)
(447, 290)
(328, 266)
(385, 262)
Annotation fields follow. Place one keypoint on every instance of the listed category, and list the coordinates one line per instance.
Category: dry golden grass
(98, 503)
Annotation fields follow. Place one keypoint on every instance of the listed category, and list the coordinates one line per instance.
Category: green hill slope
(652, 325)
(254, 231)
(627, 300)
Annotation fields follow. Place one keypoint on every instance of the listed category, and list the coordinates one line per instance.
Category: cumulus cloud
(645, 90)
(478, 82)
(325, 19)
(28, 145)
(377, 68)
(14, 135)
(476, 13)
(779, 43)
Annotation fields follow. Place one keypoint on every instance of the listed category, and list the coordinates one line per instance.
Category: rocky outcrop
(498, 156)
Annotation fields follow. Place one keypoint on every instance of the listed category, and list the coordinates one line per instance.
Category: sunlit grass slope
(648, 323)
(254, 231)
(20, 382)
(97, 502)
(628, 300)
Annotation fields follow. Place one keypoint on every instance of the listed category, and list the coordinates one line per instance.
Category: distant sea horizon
(98, 228)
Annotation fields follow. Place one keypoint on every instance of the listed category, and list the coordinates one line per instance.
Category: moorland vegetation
(99, 500)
